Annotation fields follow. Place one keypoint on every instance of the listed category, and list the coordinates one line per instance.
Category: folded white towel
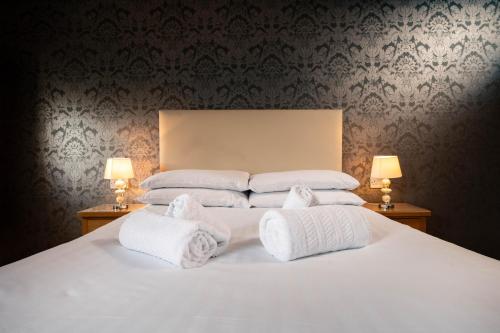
(181, 242)
(294, 233)
(187, 208)
(300, 196)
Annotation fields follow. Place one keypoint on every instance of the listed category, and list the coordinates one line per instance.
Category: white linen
(315, 179)
(187, 208)
(184, 243)
(300, 196)
(207, 197)
(404, 281)
(324, 197)
(194, 178)
(295, 233)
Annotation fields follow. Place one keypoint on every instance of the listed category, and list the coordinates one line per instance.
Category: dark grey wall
(415, 78)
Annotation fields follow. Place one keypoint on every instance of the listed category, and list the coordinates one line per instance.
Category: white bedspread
(403, 281)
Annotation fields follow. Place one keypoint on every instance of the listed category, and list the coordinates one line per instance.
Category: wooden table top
(106, 210)
(400, 209)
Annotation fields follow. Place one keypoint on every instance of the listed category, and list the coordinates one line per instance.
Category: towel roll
(295, 233)
(300, 196)
(186, 207)
(183, 243)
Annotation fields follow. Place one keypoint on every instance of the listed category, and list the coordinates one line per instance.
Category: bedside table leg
(85, 227)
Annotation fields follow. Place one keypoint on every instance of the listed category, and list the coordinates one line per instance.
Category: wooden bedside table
(98, 216)
(405, 213)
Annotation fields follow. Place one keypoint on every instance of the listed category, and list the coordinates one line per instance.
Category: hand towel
(183, 243)
(300, 196)
(187, 208)
(293, 233)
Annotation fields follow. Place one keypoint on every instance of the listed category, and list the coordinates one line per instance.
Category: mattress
(403, 281)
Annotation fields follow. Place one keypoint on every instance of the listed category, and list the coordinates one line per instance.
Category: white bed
(404, 281)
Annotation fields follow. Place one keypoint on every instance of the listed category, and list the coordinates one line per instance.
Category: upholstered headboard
(251, 140)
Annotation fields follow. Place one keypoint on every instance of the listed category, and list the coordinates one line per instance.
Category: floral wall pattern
(419, 79)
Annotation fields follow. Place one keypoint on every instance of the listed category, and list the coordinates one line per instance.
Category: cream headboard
(251, 140)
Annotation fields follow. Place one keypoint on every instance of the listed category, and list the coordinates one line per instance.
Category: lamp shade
(118, 168)
(386, 167)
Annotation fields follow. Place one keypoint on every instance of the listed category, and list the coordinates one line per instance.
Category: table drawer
(89, 225)
(419, 223)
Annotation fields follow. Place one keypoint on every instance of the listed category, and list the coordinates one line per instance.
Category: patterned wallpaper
(415, 78)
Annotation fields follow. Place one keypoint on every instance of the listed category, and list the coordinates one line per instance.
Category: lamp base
(386, 206)
(120, 206)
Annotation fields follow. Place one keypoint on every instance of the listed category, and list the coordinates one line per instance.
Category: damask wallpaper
(84, 81)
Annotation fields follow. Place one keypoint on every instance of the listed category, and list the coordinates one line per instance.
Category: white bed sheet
(404, 281)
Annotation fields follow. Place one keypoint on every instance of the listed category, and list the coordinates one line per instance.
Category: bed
(403, 281)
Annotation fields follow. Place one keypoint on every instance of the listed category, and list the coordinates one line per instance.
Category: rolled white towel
(187, 208)
(183, 243)
(300, 196)
(294, 233)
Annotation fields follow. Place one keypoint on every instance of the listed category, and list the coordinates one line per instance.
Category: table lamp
(386, 167)
(120, 170)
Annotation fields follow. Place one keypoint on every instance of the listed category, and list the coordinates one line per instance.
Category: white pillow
(314, 179)
(206, 197)
(214, 179)
(325, 197)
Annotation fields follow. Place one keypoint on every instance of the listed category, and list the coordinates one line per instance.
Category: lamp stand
(121, 187)
(386, 198)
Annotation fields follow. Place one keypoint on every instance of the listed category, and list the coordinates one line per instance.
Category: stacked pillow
(227, 188)
(269, 190)
(211, 188)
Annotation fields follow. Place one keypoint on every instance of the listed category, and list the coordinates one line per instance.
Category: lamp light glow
(118, 168)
